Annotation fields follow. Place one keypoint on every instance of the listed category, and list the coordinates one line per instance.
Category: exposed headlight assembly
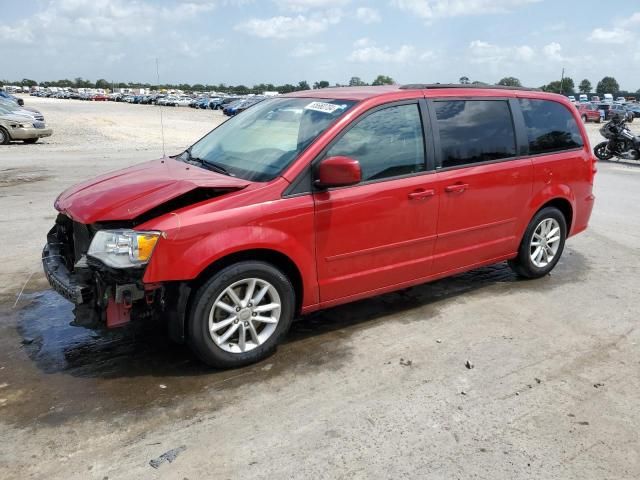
(123, 248)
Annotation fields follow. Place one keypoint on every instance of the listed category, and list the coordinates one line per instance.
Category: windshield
(262, 141)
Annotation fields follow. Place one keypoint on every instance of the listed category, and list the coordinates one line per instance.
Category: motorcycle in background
(621, 143)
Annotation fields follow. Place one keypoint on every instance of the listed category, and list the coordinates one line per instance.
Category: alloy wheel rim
(244, 315)
(1, 135)
(545, 242)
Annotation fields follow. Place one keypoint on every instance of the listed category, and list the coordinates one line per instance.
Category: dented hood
(128, 193)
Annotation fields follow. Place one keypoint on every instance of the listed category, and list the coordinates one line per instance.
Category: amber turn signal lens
(146, 243)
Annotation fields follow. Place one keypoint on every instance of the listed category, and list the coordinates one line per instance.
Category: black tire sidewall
(7, 138)
(523, 264)
(198, 330)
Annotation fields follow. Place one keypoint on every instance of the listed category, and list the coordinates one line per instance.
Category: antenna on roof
(161, 119)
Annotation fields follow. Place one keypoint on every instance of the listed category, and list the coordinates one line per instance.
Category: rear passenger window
(550, 126)
(387, 143)
(473, 131)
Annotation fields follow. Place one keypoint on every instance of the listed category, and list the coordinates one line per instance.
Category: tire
(525, 264)
(4, 137)
(584, 119)
(599, 120)
(30, 140)
(227, 352)
(601, 152)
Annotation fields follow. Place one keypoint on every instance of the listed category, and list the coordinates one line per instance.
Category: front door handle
(456, 188)
(421, 194)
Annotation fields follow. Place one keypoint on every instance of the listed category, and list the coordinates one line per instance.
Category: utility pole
(562, 82)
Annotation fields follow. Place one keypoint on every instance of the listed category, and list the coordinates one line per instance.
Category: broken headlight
(123, 248)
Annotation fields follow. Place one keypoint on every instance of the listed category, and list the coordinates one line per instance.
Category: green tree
(303, 85)
(566, 87)
(27, 82)
(510, 82)
(102, 83)
(607, 85)
(585, 86)
(356, 82)
(464, 80)
(383, 80)
(320, 84)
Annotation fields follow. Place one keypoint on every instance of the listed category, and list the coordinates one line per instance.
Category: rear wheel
(240, 315)
(584, 118)
(4, 137)
(542, 244)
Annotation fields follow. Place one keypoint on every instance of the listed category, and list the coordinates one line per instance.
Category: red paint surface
(351, 242)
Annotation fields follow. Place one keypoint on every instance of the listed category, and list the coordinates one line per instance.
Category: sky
(286, 41)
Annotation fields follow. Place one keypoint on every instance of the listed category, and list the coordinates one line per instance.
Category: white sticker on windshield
(323, 107)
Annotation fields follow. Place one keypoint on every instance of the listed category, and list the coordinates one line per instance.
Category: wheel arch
(270, 256)
(184, 292)
(565, 207)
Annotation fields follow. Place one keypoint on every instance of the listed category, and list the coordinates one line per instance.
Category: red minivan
(319, 198)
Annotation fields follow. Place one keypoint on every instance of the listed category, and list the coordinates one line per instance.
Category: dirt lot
(376, 389)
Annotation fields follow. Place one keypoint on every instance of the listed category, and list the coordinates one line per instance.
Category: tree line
(80, 82)
(566, 86)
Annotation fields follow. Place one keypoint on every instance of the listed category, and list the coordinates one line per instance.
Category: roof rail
(430, 86)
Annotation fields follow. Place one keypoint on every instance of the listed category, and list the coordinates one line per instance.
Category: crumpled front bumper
(60, 278)
(58, 274)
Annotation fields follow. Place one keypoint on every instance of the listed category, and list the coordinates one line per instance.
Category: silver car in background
(25, 125)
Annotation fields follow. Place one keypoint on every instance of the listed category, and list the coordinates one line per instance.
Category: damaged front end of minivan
(99, 263)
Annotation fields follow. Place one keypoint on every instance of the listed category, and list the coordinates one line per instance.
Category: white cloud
(553, 51)
(484, 52)
(289, 27)
(368, 15)
(615, 36)
(362, 42)
(304, 5)
(366, 51)
(429, 9)
(308, 50)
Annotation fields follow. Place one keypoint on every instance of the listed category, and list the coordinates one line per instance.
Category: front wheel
(542, 244)
(584, 119)
(602, 152)
(240, 315)
(4, 137)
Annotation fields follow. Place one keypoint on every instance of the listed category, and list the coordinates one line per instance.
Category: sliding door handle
(421, 194)
(456, 188)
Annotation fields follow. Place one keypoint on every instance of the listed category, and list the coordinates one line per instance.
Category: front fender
(183, 259)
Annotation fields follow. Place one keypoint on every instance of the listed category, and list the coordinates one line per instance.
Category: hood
(19, 118)
(129, 193)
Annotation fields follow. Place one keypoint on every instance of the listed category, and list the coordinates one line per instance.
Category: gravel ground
(375, 389)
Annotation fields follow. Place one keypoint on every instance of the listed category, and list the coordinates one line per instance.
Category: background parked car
(8, 96)
(21, 127)
(622, 110)
(589, 112)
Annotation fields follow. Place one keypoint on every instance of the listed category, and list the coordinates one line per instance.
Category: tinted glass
(473, 131)
(550, 126)
(387, 143)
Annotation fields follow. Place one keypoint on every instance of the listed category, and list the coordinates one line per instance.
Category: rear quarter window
(550, 126)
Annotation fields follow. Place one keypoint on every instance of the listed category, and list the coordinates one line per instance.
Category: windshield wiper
(208, 164)
(216, 167)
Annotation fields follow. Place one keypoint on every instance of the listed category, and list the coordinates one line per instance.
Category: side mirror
(338, 172)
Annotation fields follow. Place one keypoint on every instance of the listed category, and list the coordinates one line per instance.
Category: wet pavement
(100, 373)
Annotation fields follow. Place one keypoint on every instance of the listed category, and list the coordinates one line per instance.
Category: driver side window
(387, 143)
